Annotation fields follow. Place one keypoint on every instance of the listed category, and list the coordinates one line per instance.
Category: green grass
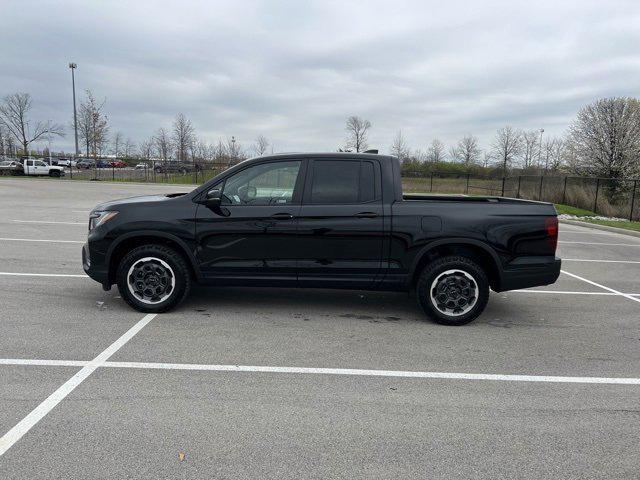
(627, 225)
(569, 210)
(585, 214)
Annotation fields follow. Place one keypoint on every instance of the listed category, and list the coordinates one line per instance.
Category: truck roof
(332, 155)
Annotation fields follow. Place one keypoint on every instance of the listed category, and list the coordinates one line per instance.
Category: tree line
(603, 140)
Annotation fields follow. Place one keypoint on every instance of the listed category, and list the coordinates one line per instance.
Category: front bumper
(93, 267)
(525, 272)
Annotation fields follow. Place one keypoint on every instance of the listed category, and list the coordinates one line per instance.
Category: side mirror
(214, 198)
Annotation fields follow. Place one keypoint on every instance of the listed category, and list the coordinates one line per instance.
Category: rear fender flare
(456, 241)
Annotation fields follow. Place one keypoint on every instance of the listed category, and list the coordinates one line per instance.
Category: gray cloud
(294, 70)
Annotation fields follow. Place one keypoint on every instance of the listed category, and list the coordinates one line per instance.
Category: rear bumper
(525, 272)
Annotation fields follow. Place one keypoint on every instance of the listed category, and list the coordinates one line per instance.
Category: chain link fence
(605, 196)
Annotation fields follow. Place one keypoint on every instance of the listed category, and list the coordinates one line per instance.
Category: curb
(606, 228)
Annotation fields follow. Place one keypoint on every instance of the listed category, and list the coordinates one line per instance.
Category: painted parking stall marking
(38, 413)
(51, 222)
(38, 240)
(626, 295)
(495, 377)
(53, 275)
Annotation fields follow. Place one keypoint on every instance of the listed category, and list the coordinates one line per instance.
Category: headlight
(98, 218)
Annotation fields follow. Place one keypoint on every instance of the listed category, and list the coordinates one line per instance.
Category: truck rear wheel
(54, 173)
(153, 278)
(453, 290)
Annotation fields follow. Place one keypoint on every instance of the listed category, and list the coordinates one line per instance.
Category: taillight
(551, 226)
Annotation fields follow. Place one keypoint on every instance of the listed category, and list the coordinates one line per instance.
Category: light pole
(73, 66)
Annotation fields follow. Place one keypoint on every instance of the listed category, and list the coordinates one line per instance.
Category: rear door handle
(366, 215)
(282, 216)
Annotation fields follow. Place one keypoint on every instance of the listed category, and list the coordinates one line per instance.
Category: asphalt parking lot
(266, 383)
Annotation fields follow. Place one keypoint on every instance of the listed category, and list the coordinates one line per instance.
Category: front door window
(265, 184)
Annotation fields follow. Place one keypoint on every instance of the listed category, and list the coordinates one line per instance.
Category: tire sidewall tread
(177, 263)
(440, 265)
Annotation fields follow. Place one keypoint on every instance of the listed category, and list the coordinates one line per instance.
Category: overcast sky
(294, 70)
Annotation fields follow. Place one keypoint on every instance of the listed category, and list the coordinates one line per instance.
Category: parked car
(117, 164)
(176, 167)
(142, 166)
(333, 220)
(86, 163)
(67, 162)
(103, 164)
(39, 167)
(11, 167)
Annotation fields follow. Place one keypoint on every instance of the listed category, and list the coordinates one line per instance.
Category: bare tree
(183, 136)
(357, 131)
(418, 155)
(14, 115)
(145, 149)
(260, 146)
(220, 152)
(128, 147)
(530, 146)
(435, 152)
(605, 138)
(399, 148)
(233, 150)
(466, 151)
(3, 140)
(555, 155)
(117, 141)
(506, 146)
(162, 143)
(487, 159)
(92, 125)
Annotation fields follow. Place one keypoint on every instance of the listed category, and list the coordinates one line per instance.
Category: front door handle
(282, 216)
(366, 215)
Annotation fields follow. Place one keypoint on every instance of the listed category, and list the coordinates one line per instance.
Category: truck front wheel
(153, 278)
(453, 290)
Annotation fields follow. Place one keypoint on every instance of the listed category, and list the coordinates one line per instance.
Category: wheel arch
(119, 248)
(476, 250)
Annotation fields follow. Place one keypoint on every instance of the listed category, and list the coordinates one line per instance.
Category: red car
(117, 164)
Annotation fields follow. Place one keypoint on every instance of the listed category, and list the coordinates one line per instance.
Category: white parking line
(43, 363)
(561, 292)
(51, 222)
(626, 295)
(597, 243)
(585, 232)
(332, 371)
(38, 240)
(15, 274)
(598, 261)
(38, 413)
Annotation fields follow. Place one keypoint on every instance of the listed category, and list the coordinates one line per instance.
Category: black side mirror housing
(214, 197)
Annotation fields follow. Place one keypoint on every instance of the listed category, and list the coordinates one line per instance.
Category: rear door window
(342, 182)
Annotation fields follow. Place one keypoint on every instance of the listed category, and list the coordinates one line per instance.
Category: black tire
(54, 173)
(163, 257)
(454, 288)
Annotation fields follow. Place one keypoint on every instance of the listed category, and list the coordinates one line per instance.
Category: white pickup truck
(39, 167)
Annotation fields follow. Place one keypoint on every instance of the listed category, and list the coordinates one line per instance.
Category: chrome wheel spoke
(151, 280)
(453, 292)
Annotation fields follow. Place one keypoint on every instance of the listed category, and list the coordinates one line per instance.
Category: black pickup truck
(330, 220)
